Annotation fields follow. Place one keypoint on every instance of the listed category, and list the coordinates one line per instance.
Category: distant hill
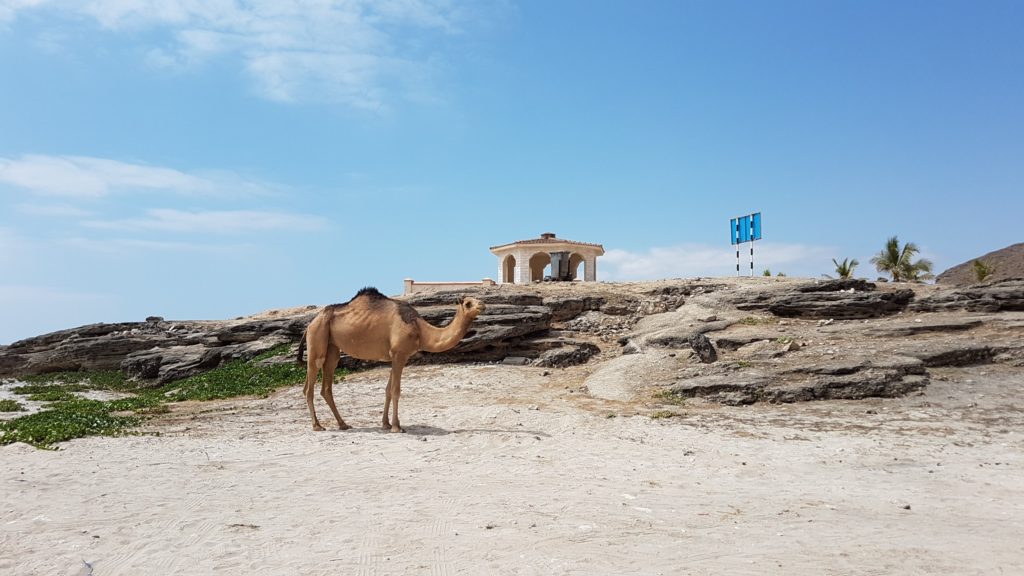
(1008, 262)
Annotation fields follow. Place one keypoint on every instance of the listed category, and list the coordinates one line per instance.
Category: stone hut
(527, 260)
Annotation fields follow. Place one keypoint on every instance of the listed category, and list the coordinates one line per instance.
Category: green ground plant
(8, 405)
(668, 397)
(662, 414)
(65, 420)
(756, 321)
(90, 380)
(70, 416)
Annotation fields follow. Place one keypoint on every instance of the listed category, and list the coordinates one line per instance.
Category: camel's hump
(369, 291)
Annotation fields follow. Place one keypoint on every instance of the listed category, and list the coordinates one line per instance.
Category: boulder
(703, 347)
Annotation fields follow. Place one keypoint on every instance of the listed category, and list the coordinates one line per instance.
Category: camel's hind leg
(394, 391)
(327, 383)
(314, 362)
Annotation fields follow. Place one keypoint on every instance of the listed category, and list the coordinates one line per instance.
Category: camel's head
(471, 307)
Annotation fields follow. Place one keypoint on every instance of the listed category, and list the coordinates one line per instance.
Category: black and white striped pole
(742, 230)
(752, 247)
(736, 234)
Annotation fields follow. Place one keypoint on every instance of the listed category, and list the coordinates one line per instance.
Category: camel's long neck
(434, 339)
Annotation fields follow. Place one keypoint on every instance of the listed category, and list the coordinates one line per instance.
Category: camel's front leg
(395, 387)
(387, 401)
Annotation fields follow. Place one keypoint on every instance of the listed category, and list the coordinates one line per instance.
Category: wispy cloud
(689, 260)
(360, 52)
(86, 177)
(212, 222)
(54, 210)
(126, 246)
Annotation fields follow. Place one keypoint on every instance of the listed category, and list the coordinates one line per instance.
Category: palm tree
(899, 262)
(982, 270)
(845, 270)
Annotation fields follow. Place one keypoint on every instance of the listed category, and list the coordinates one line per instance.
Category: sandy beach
(511, 470)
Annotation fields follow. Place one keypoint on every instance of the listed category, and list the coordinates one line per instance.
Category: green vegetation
(7, 405)
(66, 420)
(845, 269)
(95, 380)
(236, 378)
(899, 262)
(767, 272)
(662, 414)
(668, 397)
(49, 392)
(70, 416)
(756, 321)
(983, 270)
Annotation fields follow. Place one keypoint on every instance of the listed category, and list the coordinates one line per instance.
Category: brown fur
(372, 326)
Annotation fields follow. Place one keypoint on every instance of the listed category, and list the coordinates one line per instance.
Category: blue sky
(201, 160)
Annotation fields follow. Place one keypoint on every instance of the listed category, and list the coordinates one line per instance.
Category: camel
(372, 326)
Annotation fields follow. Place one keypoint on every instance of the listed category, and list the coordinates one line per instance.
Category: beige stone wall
(414, 287)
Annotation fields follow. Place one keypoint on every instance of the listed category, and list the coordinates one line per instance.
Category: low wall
(414, 287)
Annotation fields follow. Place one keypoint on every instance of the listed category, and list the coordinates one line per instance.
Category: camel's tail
(302, 347)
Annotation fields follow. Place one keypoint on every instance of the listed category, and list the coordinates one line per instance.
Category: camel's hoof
(318, 428)
(397, 428)
(343, 426)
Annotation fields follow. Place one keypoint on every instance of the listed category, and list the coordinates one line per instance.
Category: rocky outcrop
(836, 299)
(155, 349)
(845, 380)
(736, 341)
(1002, 296)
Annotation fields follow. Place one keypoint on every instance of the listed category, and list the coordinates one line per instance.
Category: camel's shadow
(425, 430)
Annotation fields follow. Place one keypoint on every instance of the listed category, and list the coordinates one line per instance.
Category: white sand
(507, 471)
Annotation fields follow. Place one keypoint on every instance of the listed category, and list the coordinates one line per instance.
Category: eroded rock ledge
(733, 341)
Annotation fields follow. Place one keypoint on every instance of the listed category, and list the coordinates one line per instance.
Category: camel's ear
(462, 300)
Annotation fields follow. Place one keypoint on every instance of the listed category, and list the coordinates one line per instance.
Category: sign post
(744, 229)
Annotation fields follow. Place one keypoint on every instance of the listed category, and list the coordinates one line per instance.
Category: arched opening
(574, 266)
(508, 270)
(538, 262)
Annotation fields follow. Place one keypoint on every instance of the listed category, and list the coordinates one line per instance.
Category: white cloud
(86, 177)
(56, 210)
(10, 8)
(351, 52)
(690, 260)
(216, 222)
(125, 246)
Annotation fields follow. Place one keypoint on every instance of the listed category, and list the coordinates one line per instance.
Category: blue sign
(745, 229)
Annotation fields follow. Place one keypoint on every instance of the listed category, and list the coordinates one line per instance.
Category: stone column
(522, 268)
(590, 268)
